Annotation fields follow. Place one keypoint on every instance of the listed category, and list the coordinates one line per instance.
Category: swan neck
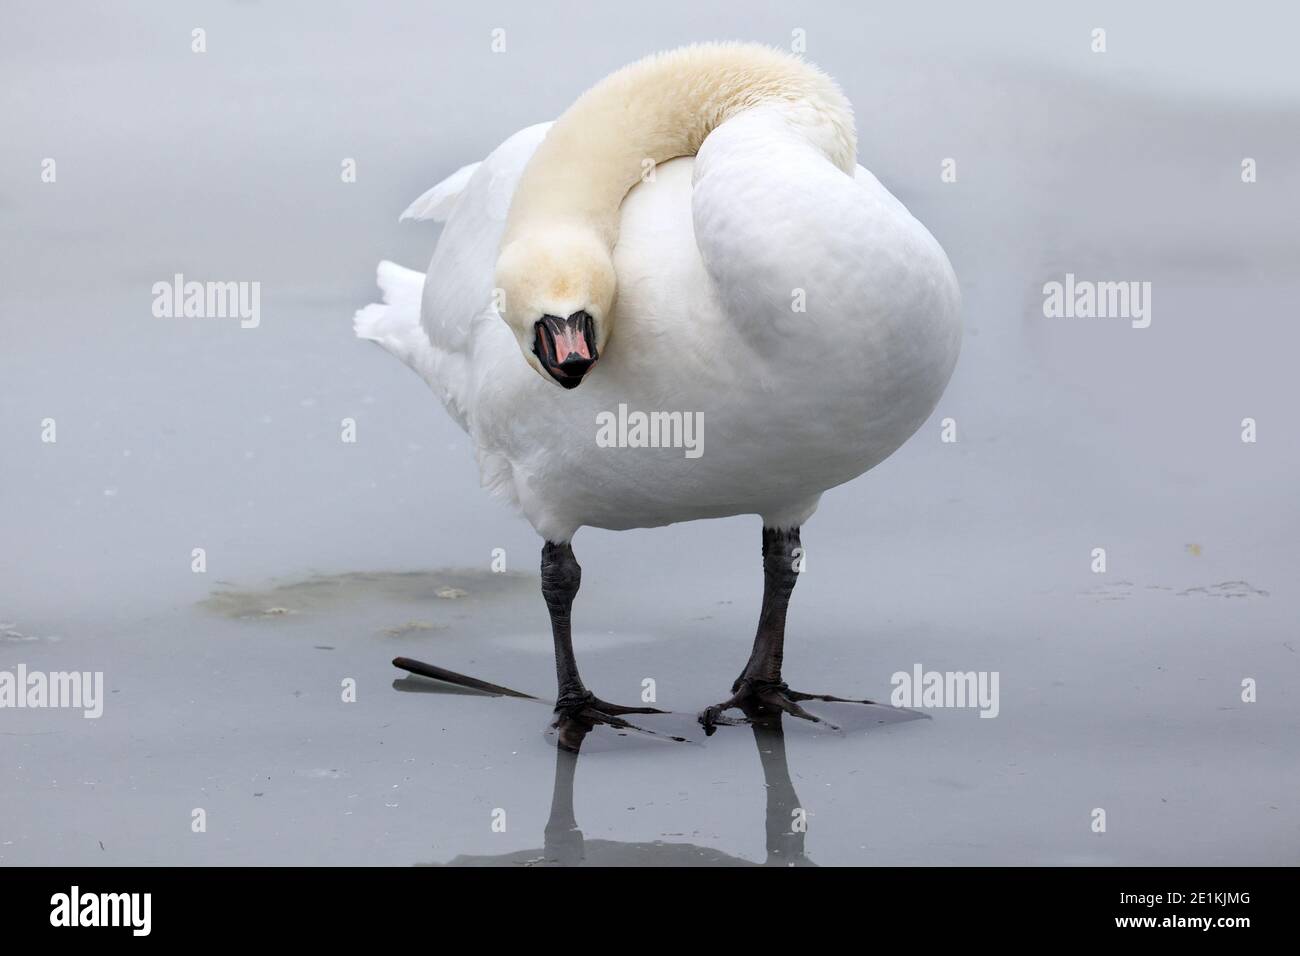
(661, 108)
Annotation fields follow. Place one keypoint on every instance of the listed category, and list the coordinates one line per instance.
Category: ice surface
(1120, 691)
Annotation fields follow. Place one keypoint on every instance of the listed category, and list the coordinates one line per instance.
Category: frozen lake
(1119, 690)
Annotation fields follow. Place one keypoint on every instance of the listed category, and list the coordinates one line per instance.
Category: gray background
(1119, 690)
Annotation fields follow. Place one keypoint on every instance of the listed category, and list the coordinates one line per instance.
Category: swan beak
(566, 347)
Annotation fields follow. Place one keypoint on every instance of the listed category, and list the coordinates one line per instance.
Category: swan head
(557, 291)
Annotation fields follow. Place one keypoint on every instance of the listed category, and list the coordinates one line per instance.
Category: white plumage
(713, 257)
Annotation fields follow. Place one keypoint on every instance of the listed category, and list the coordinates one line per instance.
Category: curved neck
(658, 109)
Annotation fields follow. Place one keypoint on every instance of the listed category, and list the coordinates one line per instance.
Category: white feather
(712, 254)
(437, 203)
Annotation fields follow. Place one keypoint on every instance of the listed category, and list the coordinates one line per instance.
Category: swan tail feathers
(395, 324)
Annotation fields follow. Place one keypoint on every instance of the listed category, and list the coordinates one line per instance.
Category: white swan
(692, 236)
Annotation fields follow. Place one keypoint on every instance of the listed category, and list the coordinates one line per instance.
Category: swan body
(800, 310)
(693, 238)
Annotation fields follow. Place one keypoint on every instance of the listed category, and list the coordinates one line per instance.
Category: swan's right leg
(759, 686)
(561, 577)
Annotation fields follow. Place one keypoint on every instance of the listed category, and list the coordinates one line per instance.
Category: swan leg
(759, 689)
(561, 577)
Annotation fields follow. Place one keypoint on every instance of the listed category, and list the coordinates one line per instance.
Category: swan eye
(566, 347)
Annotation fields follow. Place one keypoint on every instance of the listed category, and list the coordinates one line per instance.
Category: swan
(691, 241)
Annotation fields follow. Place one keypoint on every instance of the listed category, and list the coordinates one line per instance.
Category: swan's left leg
(759, 686)
(561, 577)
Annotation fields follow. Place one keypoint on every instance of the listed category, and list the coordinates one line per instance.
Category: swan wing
(426, 321)
(439, 202)
(461, 274)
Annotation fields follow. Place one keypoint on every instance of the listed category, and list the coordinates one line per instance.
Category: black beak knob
(566, 347)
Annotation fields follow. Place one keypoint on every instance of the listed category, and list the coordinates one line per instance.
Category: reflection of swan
(565, 845)
(767, 286)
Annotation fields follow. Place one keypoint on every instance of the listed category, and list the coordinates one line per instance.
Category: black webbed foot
(759, 699)
(574, 704)
(576, 715)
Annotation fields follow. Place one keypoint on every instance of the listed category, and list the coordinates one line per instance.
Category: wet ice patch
(1110, 591)
(9, 634)
(413, 627)
(1123, 590)
(1226, 589)
(325, 591)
